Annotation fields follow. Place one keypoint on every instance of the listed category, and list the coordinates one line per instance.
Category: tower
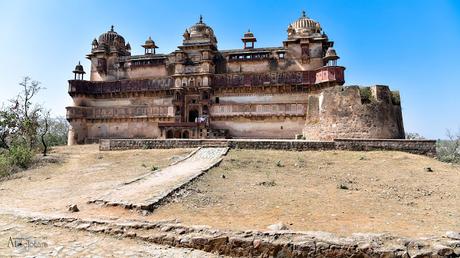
(78, 72)
(149, 46)
(248, 38)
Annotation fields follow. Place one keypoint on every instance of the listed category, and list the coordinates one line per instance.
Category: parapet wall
(423, 147)
(354, 112)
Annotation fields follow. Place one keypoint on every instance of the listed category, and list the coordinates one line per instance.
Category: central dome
(200, 31)
(111, 41)
(304, 26)
(111, 38)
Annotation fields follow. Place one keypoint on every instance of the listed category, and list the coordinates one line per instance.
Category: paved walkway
(148, 191)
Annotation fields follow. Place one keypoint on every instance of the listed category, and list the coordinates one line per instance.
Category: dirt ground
(76, 175)
(335, 191)
(21, 239)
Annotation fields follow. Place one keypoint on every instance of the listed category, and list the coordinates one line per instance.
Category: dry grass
(335, 191)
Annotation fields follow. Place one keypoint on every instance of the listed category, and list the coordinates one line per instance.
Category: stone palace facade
(199, 91)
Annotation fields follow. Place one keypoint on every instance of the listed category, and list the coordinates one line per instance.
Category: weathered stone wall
(321, 114)
(277, 243)
(128, 129)
(269, 127)
(353, 112)
(424, 147)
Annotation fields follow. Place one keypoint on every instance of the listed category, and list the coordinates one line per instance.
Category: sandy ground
(384, 191)
(335, 191)
(81, 174)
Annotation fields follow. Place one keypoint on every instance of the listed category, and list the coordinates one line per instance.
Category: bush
(395, 98)
(449, 150)
(366, 95)
(4, 165)
(20, 155)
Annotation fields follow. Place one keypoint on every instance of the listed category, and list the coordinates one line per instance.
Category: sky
(410, 45)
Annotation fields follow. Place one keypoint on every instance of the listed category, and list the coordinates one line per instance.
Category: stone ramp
(147, 192)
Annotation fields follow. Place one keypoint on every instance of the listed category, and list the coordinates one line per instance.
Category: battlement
(354, 112)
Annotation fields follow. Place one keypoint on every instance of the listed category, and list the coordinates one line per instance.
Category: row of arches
(197, 81)
(184, 134)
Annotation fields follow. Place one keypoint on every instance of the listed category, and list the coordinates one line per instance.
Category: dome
(200, 31)
(249, 34)
(79, 69)
(331, 54)
(304, 26)
(149, 41)
(111, 38)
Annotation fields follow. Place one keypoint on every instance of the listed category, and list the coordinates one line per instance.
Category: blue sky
(411, 45)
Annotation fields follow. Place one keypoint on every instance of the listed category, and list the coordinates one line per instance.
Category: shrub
(4, 165)
(20, 155)
(395, 98)
(449, 150)
(366, 95)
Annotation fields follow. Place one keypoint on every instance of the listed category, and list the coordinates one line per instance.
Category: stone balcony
(327, 74)
(119, 112)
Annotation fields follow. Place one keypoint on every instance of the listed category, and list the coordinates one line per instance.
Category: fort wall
(423, 147)
(354, 112)
(264, 127)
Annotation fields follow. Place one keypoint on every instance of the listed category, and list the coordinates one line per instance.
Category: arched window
(205, 110)
(185, 134)
(193, 115)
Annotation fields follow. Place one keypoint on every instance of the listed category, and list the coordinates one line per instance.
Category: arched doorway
(169, 134)
(192, 115)
(177, 134)
(185, 134)
(205, 110)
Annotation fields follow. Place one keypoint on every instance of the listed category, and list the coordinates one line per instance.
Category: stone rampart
(423, 147)
(354, 112)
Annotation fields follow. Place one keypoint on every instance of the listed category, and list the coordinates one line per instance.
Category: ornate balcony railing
(121, 86)
(119, 112)
(332, 74)
(324, 74)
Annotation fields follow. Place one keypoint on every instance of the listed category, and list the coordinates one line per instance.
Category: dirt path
(149, 190)
(76, 175)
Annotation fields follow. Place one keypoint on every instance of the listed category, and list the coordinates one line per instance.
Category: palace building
(199, 91)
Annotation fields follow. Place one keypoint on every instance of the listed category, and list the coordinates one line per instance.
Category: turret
(78, 72)
(149, 46)
(104, 53)
(248, 38)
